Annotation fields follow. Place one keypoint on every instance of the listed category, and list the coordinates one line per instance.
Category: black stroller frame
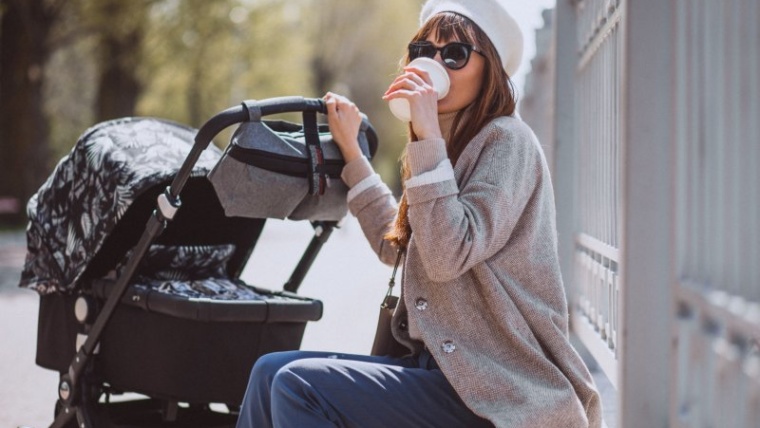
(79, 387)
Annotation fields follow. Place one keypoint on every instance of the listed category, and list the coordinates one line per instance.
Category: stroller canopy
(91, 189)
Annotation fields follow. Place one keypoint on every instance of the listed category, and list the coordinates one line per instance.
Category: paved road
(346, 277)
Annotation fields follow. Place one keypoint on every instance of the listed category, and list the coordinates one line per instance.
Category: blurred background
(68, 64)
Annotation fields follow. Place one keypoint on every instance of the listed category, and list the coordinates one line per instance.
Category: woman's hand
(415, 86)
(344, 120)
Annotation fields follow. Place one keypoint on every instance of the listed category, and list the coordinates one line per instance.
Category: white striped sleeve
(442, 172)
(371, 181)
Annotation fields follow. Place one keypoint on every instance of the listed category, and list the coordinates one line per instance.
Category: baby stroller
(140, 290)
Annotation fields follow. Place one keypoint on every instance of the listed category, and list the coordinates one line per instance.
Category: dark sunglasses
(455, 55)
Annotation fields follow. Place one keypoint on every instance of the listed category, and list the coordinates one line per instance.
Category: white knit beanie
(492, 17)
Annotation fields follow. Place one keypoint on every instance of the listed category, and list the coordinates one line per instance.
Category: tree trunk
(194, 95)
(118, 85)
(323, 74)
(24, 51)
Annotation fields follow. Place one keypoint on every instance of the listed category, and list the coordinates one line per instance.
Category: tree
(355, 50)
(202, 57)
(25, 29)
(183, 60)
(120, 29)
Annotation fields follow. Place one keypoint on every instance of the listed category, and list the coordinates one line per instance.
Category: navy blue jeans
(321, 389)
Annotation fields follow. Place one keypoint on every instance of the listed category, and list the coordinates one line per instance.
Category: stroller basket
(138, 295)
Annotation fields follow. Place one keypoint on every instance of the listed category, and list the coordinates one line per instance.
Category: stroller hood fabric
(91, 189)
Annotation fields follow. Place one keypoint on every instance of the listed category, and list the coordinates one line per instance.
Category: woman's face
(465, 82)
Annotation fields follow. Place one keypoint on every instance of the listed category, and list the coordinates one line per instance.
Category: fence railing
(717, 232)
(598, 181)
(664, 161)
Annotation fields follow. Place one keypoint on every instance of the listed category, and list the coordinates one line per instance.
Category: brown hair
(497, 98)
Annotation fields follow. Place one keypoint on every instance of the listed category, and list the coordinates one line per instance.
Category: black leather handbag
(385, 344)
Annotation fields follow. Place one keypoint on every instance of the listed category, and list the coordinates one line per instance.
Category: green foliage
(358, 45)
(204, 56)
(198, 57)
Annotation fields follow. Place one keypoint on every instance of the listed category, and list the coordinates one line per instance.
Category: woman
(482, 309)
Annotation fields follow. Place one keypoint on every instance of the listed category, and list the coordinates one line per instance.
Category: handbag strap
(317, 176)
(390, 301)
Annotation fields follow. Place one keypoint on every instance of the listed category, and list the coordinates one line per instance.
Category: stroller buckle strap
(254, 110)
(167, 205)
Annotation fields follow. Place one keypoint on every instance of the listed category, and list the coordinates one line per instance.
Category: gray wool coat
(481, 284)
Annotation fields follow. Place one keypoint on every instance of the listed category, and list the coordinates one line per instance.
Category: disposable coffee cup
(439, 78)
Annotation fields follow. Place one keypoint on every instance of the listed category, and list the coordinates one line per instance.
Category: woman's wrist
(425, 155)
(351, 152)
(356, 171)
(429, 134)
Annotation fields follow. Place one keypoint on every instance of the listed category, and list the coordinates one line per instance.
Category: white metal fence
(598, 110)
(658, 130)
(717, 232)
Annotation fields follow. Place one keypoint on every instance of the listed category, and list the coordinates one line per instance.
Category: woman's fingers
(408, 87)
(419, 74)
(338, 103)
(409, 90)
(344, 120)
(409, 81)
(413, 85)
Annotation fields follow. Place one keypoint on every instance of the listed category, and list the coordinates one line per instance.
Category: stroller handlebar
(253, 110)
(289, 104)
(246, 111)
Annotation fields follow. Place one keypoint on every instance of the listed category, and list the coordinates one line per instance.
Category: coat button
(448, 346)
(402, 326)
(421, 304)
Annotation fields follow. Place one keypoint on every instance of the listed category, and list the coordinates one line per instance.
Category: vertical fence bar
(609, 140)
(700, 131)
(700, 35)
(680, 405)
(720, 280)
(565, 179)
(752, 53)
(690, 162)
(735, 143)
(680, 131)
(748, 274)
(646, 251)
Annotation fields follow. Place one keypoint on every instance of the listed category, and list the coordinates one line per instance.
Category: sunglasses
(455, 55)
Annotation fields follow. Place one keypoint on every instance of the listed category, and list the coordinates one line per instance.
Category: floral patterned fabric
(185, 263)
(193, 272)
(211, 288)
(92, 188)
